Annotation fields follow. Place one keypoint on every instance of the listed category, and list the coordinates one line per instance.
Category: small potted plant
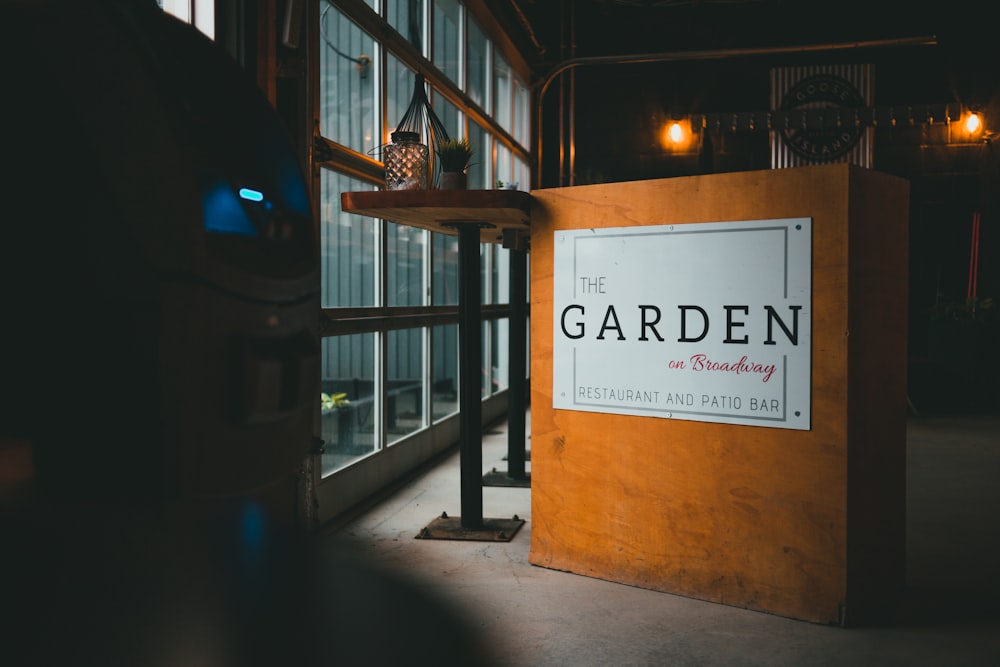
(453, 155)
(335, 408)
(331, 401)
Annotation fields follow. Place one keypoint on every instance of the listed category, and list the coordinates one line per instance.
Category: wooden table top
(445, 210)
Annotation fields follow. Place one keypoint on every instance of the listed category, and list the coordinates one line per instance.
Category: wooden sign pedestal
(808, 524)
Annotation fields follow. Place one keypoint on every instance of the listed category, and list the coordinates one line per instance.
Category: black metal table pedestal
(517, 370)
(470, 525)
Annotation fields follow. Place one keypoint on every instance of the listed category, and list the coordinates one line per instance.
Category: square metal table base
(450, 528)
(500, 478)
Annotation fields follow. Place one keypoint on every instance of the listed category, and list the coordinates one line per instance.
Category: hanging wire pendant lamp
(406, 159)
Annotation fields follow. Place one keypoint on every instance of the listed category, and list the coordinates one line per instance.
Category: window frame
(328, 154)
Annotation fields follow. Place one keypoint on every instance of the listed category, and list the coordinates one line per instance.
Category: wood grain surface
(804, 524)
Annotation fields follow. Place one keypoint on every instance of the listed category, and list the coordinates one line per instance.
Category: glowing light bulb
(973, 123)
(676, 132)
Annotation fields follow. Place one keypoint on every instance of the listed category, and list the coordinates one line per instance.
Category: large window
(390, 292)
(348, 419)
(481, 167)
(406, 259)
(477, 65)
(200, 13)
(347, 247)
(407, 17)
(398, 92)
(444, 371)
(347, 82)
(447, 38)
(406, 391)
(503, 89)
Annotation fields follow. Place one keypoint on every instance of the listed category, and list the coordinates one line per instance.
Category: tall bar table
(475, 216)
(516, 473)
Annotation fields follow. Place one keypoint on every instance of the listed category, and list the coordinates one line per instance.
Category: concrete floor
(528, 616)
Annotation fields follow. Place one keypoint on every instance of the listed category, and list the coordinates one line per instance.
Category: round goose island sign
(822, 91)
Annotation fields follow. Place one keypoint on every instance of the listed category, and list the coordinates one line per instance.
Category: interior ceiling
(965, 36)
(615, 27)
(719, 54)
(956, 61)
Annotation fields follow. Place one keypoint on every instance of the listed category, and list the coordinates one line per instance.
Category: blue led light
(223, 212)
(252, 195)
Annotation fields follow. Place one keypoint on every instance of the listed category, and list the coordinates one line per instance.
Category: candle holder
(407, 160)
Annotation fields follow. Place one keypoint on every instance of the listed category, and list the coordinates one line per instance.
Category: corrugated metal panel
(785, 80)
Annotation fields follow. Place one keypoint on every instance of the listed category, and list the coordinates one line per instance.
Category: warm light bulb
(973, 123)
(676, 132)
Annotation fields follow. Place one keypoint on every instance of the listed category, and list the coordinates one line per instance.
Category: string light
(676, 132)
(973, 123)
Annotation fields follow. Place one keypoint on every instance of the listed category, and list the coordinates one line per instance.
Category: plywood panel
(747, 516)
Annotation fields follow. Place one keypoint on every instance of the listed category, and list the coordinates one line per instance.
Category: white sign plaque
(705, 321)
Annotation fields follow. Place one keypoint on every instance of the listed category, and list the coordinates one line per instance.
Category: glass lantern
(406, 162)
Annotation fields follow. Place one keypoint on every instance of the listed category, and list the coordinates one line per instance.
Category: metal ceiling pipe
(714, 54)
